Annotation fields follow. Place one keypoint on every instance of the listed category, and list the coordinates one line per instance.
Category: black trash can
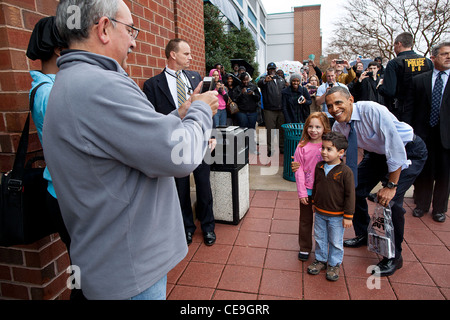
(292, 135)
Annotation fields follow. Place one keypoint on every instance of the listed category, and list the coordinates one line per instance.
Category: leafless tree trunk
(369, 27)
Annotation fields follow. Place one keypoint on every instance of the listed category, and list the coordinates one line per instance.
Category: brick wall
(37, 271)
(307, 38)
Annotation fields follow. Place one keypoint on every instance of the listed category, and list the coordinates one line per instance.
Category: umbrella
(243, 63)
(364, 61)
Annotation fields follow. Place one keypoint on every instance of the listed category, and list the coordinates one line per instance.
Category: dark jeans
(373, 169)
(248, 120)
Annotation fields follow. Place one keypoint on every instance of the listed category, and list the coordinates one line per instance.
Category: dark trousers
(204, 207)
(435, 172)
(373, 169)
(248, 120)
(306, 226)
(274, 120)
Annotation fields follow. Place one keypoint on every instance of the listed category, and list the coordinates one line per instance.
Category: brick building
(38, 271)
(294, 35)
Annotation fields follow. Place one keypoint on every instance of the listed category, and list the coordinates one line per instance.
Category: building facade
(294, 35)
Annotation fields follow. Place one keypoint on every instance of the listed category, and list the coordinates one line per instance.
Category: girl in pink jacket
(308, 155)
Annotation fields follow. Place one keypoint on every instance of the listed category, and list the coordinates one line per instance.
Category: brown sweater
(334, 194)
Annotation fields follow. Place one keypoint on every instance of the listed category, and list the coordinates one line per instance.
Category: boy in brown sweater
(334, 203)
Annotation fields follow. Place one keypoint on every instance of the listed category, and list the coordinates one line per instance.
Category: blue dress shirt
(379, 131)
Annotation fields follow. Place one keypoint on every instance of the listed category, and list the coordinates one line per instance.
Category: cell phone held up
(208, 84)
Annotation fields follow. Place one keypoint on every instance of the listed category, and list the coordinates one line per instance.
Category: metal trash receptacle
(230, 184)
(292, 135)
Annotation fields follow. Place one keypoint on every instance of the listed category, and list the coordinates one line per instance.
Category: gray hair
(74, 18)
(439, 46)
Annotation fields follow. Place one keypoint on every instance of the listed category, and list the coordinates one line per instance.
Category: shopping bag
(381, 232)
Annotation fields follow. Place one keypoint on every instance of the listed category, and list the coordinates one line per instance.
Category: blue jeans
(155, 292)
(246, 119)
(329, 236)
(220, 118)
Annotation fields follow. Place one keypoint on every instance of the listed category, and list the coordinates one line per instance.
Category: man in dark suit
(167, 91)
(431, 91)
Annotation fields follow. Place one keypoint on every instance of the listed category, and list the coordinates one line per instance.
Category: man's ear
(173, 55)
(352, 100)
(103, 30)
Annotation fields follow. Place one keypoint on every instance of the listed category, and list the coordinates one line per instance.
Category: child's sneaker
(316, 267)
(333, 273)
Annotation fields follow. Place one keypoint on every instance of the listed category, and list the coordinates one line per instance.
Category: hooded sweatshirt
(112, 158)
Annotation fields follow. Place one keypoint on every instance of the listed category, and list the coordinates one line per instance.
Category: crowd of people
(126, 210)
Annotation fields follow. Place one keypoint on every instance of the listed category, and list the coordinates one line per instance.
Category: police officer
(399, 73)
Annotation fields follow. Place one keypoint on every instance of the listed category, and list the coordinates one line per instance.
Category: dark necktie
(436, 98)
(352, 152)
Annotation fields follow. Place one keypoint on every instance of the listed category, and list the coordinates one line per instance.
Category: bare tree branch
(372, 26)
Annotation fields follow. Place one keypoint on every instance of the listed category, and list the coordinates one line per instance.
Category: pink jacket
(222, 102)
(308, 156)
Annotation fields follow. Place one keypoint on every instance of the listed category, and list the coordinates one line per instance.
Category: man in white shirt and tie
(394, 155)
(428, 107)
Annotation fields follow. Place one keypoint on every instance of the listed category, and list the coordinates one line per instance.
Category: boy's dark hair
(337, 139)
(374, 63)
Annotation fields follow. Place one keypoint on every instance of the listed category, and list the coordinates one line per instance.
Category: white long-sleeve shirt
(379, 131)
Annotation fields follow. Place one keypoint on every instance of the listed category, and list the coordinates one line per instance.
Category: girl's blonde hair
(325, 123)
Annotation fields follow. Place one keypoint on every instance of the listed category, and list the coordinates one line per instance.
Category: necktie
(352, 152)
(436, 98)
(181, 91)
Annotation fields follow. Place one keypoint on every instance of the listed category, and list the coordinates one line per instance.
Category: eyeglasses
(133, 31)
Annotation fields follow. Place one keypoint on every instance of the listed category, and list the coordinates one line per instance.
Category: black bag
(24, 217)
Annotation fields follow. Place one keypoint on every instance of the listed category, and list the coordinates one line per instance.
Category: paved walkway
(257, 260)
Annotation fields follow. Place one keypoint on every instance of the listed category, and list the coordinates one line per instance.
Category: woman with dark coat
(247, 97)
(296, 101)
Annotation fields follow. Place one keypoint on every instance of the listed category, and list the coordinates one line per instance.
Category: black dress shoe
(387, 267)
(418, 213)
(356, 242)
(438, 216)
(189, 237)
(209, 238)
(303, 256)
